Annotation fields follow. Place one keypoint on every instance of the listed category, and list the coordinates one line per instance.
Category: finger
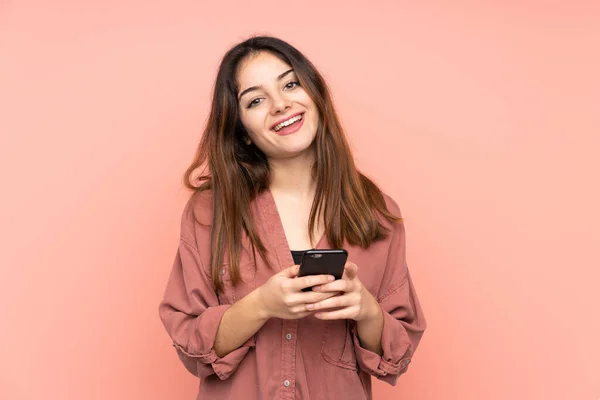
(311, 280)
(302, 314)
(299, 309)
(332, 302)
(350, 270)
(340, 285)
(291, 272)
(314, 297)
(344, 313)
(300, 299)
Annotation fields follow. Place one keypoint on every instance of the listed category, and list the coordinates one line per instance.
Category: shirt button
(288, 336)
(286, 383)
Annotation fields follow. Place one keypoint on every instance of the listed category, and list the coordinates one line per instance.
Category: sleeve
(403, 319)
(191, 314)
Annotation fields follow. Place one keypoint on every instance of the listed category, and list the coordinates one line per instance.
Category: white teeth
(288, 122)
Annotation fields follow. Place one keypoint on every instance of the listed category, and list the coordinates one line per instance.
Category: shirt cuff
(204, 351)
(390, 365)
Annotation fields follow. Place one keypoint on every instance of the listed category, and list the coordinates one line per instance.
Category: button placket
(288, 368)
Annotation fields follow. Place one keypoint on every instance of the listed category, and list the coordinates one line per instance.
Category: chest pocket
(338, 347)
(230, 293)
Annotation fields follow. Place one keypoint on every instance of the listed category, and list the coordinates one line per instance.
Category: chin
(302, 144)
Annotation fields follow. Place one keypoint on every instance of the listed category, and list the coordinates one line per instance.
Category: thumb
(350, 270)
(291, 272)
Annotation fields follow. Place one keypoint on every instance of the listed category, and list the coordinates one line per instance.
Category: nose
(280, 103)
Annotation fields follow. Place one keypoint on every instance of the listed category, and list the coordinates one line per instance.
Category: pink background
(480, 118)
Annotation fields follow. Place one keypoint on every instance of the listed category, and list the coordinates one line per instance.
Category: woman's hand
(353, 302)
(282, 296)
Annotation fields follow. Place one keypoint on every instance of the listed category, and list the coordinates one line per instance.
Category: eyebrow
(280, 77)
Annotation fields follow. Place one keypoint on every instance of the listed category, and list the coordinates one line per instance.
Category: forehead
(259, 69)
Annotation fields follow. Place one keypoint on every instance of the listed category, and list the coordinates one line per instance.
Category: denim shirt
(305, 358)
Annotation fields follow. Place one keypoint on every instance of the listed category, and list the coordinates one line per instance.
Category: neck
(293, 176)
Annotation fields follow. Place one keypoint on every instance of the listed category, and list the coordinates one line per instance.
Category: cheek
(315, 119)
(315, 115)
(314, 111)
(250, 123)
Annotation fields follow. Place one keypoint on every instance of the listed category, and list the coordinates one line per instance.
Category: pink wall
(480, 118)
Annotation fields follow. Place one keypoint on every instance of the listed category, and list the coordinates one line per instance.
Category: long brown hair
(347, 200)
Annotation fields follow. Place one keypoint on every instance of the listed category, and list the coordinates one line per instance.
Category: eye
(254, 102)
(292, 84)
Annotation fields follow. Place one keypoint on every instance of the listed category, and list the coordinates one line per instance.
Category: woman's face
(279, 116)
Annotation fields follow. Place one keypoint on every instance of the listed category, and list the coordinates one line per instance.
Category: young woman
(279, 179)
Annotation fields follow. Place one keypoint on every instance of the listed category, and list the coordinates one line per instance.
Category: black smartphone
(323, 262)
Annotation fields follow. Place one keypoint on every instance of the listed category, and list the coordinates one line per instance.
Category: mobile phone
(323, 262)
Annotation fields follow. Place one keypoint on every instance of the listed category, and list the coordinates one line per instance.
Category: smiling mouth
(288, 122)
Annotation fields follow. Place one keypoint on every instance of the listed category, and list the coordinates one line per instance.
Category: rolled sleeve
(202, 359)
(397, 351)
(403, 319)
(191, 314)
